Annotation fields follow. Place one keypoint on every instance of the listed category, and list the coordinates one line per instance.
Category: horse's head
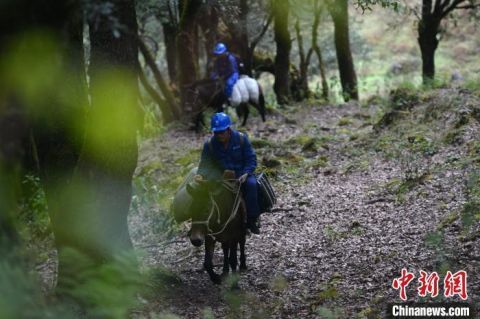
(200, 94)
(215, 203)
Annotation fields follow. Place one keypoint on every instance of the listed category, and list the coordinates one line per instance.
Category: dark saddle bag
(266, 195)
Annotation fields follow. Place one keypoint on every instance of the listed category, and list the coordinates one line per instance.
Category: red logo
(456, 284)
(428, 284)
(453, 284)
(402, 283)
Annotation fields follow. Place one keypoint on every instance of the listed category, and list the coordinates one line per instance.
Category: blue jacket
(225, 67)
(239, 157)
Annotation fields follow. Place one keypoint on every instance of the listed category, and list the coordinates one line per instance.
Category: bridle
(215, 210)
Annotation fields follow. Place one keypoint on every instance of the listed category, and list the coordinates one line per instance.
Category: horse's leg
(233, 255)
(238, 110)
(261, 103)
(226, 267)
(199, 122)
(245, 112)
(208, 263)
(243, 259)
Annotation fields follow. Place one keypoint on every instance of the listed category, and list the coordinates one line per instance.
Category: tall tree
(348, 78)
(282, 58)
(305, 59)
(109, 156)
(169, 107)
(170, 29)
(241, 40)
(187, 41)
(432, 14)
(49, 106)
(87, 179)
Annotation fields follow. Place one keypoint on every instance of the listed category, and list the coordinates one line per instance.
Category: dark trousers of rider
(250, 193)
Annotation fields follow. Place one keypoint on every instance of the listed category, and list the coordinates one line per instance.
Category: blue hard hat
(220, 48)
(220, 122)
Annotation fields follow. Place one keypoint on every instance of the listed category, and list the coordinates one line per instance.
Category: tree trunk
(166, 115)
(322, 73)
(282, 58)
(188, 65)
(243, 40)
(109, 156)
(169, 37)
(173, 112)
(56, 115)
(302, 92)
(209, 24)
(89, 196)
(316, 48)
(348, 78)
(428, 42)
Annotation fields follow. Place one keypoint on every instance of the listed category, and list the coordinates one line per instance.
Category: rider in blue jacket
(225, 68)
(230, 150)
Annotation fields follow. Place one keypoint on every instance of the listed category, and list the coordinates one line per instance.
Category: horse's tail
(261, 102)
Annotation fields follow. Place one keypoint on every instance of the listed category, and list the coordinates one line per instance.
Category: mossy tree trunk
(282, 58)
(169, 36)
(87, 177)
(187, 41)
(348, 77)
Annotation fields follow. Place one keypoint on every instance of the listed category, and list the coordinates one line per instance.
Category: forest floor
(361, 196)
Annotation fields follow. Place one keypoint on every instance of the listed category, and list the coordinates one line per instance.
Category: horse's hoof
(243, 268)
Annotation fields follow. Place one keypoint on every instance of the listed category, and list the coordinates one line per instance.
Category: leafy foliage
(368, 4)
(34, 211)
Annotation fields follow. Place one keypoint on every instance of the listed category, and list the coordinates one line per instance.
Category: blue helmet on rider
(220, 122)
(220, 48)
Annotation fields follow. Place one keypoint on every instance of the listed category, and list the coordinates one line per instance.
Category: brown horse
(219, 216)
(200, 95)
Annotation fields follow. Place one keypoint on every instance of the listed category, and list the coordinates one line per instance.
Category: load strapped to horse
(182, 206)
(200, 95)
(218, 213)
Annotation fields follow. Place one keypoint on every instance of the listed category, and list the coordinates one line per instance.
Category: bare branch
(412, 9)
(259, 37)
(470, 6)
(167, 115)
(427, 8)
(438, 7)
(445, 4)
(150, 60)
(452, 7)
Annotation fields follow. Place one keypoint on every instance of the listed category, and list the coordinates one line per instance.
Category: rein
(216, 209)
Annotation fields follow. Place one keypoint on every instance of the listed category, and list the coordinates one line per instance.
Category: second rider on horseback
(225, 67)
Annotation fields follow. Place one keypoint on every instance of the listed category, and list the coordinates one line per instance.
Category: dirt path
(337, 237)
